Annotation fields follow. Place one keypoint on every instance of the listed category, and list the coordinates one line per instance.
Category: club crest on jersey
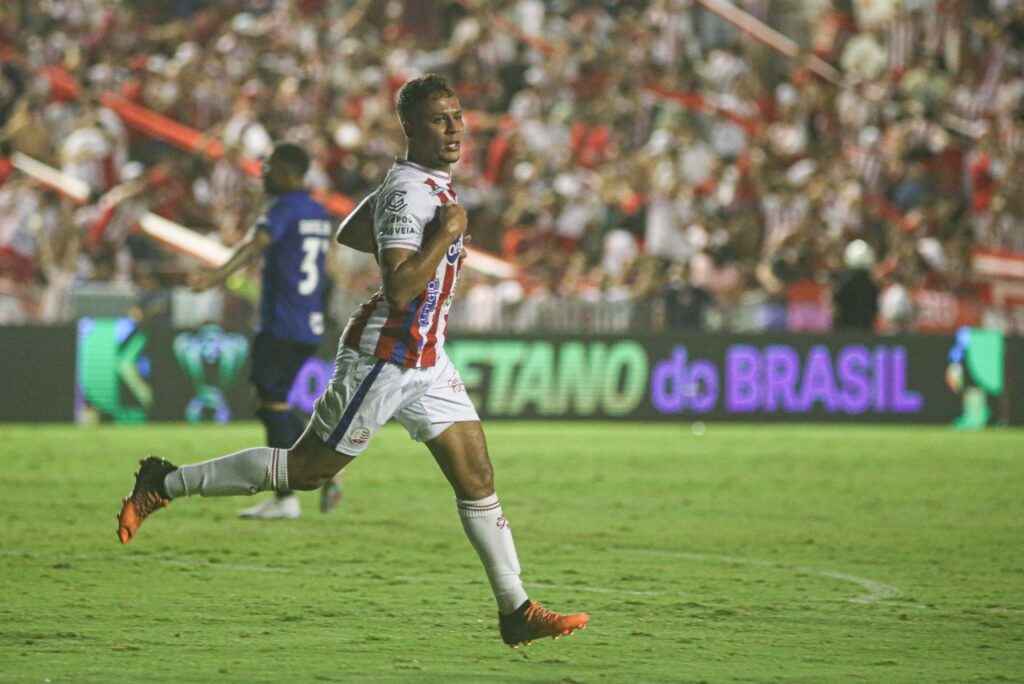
(395, 201)
(439, 191)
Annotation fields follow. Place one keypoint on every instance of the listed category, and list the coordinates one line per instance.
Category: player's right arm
(405, 273)
(356, 231)
(254, 242)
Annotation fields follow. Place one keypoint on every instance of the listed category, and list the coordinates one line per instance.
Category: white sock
(491, 536)
(243, 472)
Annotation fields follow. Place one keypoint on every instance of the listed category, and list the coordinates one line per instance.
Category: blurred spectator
(686, 305)
(600, 137)
(855, 299)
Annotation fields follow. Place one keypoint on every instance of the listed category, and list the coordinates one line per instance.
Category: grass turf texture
(751, 553)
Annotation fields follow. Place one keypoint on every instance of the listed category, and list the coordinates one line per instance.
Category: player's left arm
(254, 242)
(356, 230)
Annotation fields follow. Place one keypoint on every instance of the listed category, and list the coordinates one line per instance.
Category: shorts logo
(359, 436)
(395, 201)
(456, 384)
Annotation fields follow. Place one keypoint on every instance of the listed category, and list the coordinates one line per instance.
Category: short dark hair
(419, 90)
(293, 156)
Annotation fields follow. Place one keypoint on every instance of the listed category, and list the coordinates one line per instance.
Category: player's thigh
(362, 396)
(443, 416)
(432, 400)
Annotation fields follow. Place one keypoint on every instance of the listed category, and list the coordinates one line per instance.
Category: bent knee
(306, 474)
(475, 485)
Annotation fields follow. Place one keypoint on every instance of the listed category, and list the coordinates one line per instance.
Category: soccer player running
(292, 236)
(391, 364)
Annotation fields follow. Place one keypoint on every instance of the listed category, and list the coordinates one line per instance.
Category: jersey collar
(419, 167)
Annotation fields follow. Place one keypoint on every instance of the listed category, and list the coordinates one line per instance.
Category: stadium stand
(643, 165)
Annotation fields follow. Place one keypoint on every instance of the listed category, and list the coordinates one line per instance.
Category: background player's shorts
(275, 363)
(366, 392)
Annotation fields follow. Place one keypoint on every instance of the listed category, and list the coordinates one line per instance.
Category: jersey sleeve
(275, 220)
(402, 215)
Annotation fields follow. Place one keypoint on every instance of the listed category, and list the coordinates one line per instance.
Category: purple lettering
(782, 370)
(854, 396)
(743, 378)
(903, 401)
(818, 385)
(703, 376)
(668, 383)
(880, 399)
(310, 383)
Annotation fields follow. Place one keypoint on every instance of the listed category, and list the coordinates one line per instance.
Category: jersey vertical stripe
(435, 334)
(357, 323)
(406, 217)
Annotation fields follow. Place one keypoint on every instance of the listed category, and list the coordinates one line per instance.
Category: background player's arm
(406, 273)
(356, 231)
(254, 242)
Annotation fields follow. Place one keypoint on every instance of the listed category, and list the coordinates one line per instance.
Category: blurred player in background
(292, 236)
(391, 363)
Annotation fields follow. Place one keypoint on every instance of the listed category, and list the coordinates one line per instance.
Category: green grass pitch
(749, 553)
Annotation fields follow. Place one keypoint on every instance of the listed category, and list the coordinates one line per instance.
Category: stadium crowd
(645, 165)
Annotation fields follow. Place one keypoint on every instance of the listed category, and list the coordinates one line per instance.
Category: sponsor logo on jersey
(454, 250)
(433, 287)
(401, 224)
(395, 201)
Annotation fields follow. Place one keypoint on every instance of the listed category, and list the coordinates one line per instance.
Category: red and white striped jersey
(405, 217)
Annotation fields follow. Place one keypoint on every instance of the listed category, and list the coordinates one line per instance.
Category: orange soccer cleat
(147, 495)
(532, 621)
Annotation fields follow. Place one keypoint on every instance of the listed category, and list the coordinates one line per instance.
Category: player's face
(435, 134)
(276, 176)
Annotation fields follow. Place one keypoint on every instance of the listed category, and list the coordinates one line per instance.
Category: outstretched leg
(461, 453)
(307, 465)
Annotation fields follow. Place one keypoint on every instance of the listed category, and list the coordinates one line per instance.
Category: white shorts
(366, 392)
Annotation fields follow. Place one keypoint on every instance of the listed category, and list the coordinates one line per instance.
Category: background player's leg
(461, 452)
(283, 430)
(275, 362)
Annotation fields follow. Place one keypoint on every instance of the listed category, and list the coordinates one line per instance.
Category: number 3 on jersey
(311, 249)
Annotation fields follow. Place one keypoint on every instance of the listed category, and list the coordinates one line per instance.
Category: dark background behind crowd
(645, 165)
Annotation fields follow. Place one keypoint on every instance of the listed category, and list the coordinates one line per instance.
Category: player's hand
(465, 253)
(202, 280)
(453, 219)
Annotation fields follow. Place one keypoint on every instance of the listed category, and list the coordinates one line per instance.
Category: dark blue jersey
(291, 299)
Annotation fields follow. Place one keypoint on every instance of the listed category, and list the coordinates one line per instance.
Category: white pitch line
(876, 591)
(198, 562)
